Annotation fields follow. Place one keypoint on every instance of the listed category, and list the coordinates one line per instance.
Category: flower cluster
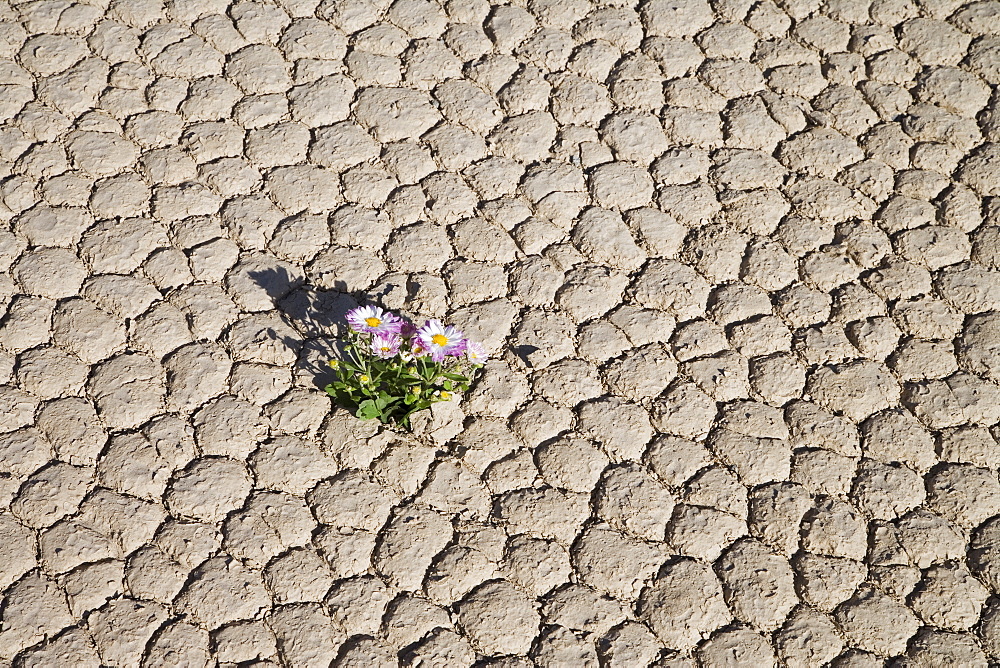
(390, 368)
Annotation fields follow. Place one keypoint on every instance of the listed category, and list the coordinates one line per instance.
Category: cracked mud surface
(741, 261)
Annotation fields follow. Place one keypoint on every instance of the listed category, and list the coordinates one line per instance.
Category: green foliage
(392, 390)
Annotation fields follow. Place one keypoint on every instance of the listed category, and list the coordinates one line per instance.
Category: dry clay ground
(739, 261)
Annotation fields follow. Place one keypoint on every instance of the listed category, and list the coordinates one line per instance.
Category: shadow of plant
(317, 315)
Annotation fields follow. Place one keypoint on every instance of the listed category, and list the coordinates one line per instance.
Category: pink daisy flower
(475, 352)
(441, 341)
(374, 320)
(386, 345)
(415, 350)
(408, 329)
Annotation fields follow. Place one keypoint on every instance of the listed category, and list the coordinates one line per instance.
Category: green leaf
(342, 395)
(454, 376)
(384, 400)
(367, 410)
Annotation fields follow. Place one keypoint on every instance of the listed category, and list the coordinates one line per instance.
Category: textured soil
(739, 264)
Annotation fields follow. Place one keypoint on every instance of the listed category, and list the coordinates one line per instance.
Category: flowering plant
(390, 368)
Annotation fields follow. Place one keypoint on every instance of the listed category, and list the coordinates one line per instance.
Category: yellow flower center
(364, 379)
(446, 395)
(439, 340)
(373, 322)
(385, 349)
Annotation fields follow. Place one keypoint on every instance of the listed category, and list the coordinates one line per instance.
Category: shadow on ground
(318, 315)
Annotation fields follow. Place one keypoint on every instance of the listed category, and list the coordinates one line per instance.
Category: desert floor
(738, 263)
